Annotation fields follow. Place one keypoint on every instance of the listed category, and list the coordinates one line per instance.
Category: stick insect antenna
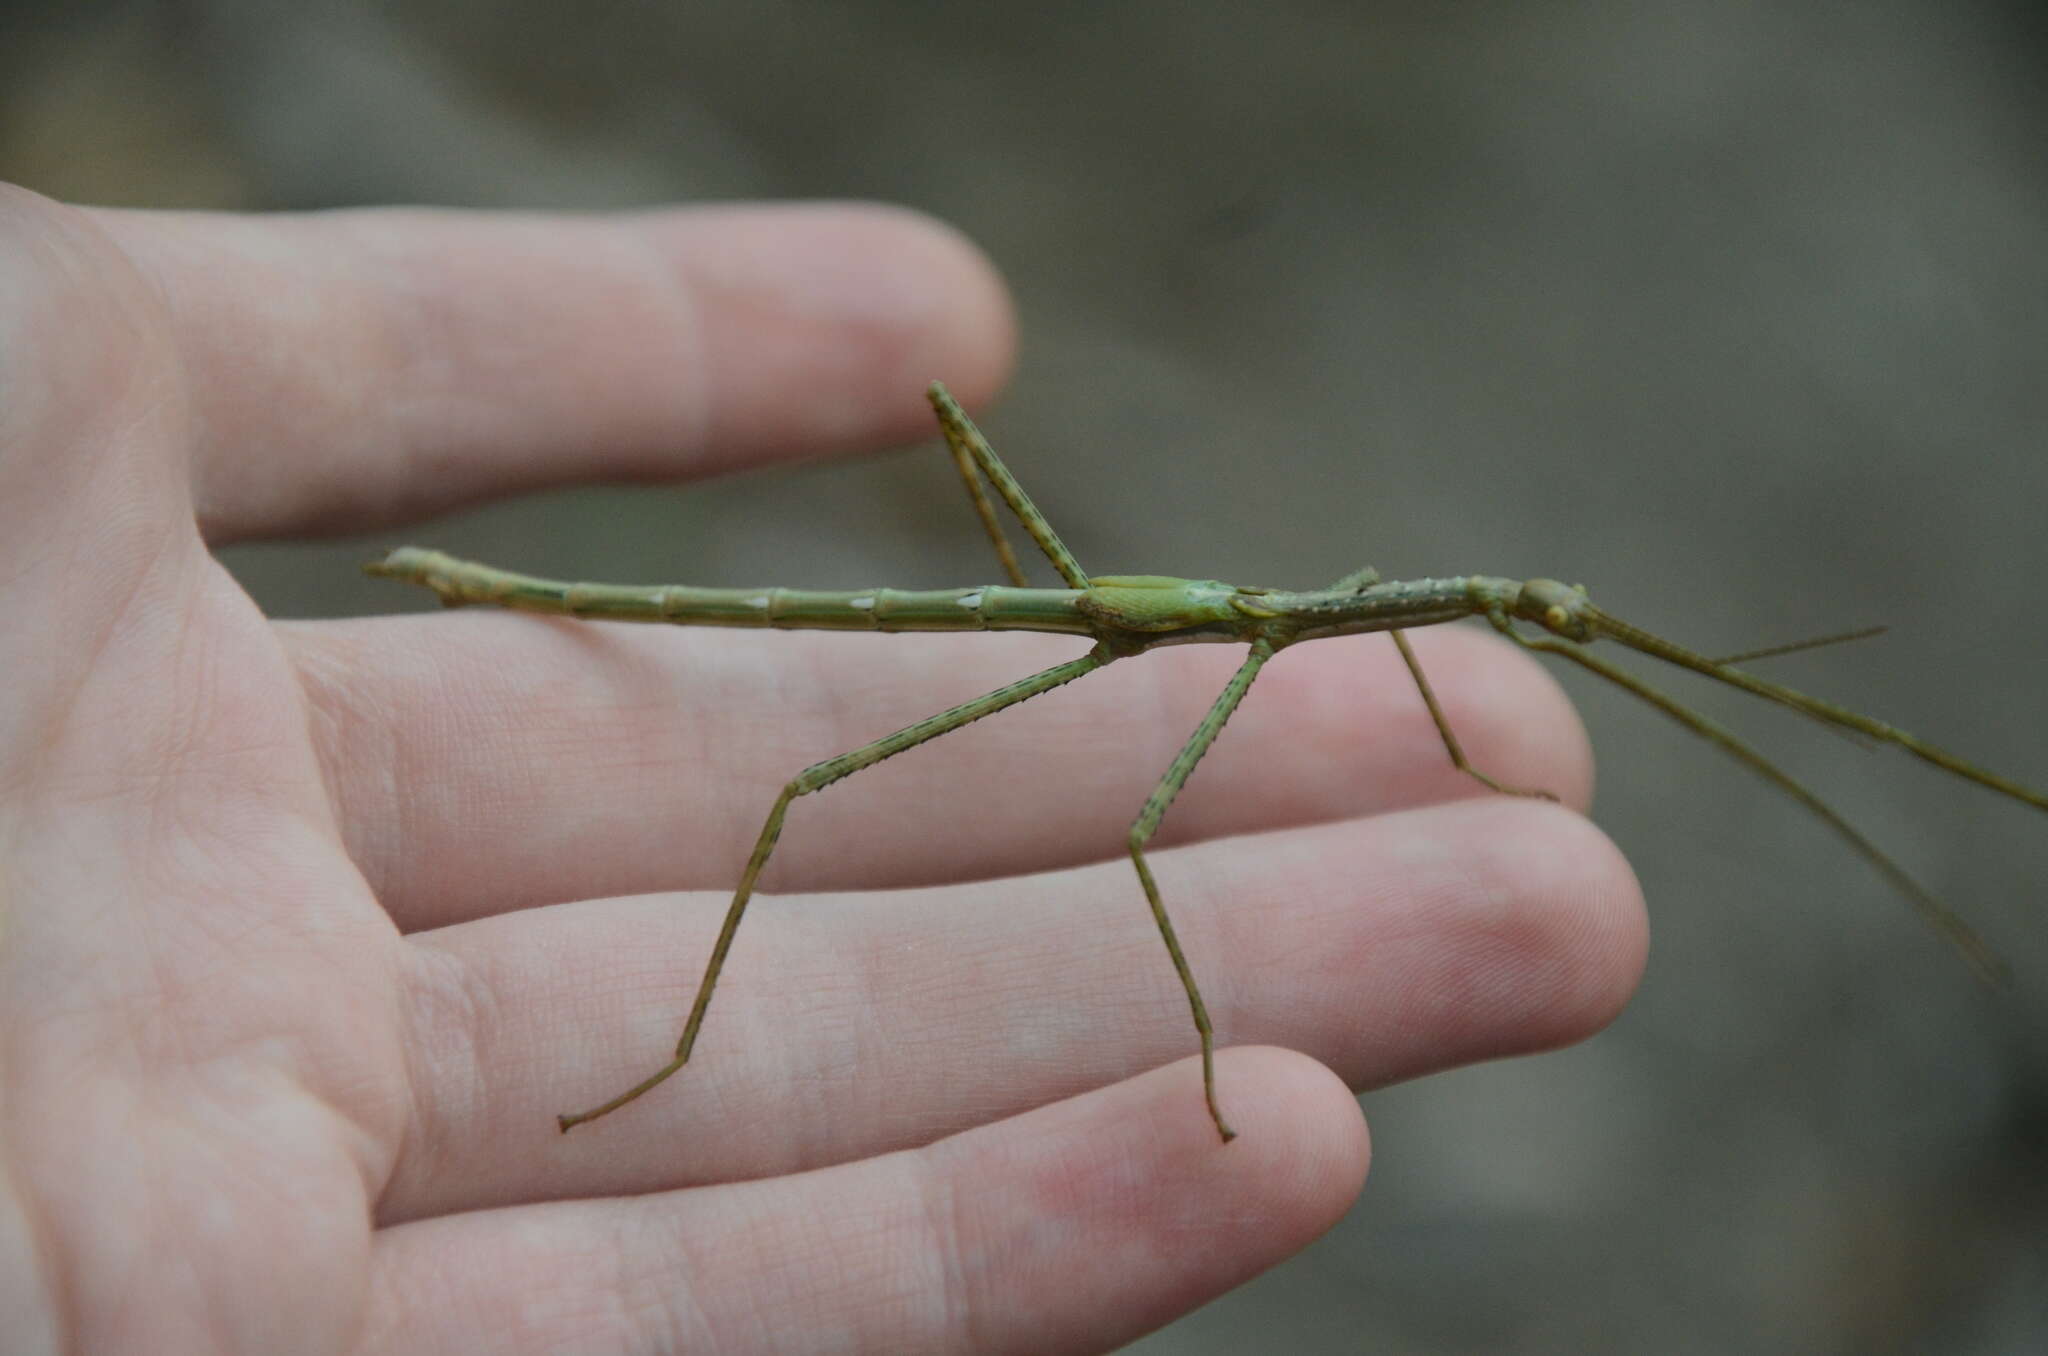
(1794, 647)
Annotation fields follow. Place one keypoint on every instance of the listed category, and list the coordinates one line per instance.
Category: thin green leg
(1361, 579)
(1443, 728)
(816, 778)
(987, 513)
(971, 451)
(1976, 951)
(1148, 821)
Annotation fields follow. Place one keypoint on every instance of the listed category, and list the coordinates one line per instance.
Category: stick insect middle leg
(1148, 822)
(816, 778)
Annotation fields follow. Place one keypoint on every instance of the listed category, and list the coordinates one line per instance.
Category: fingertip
(865, 304)
(504, 353)
(1595, 939)
(1301, 1148)
(1135, 1173)
(1306, 1135)
(1544, 947)
(973, 325)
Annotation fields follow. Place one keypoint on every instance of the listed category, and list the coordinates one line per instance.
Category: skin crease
(282, 1046)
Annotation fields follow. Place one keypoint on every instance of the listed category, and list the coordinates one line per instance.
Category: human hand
(308, 930)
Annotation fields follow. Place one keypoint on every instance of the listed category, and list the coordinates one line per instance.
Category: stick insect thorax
(1126, 615)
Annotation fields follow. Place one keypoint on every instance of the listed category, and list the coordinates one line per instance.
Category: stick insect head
(1561, 609)
(1565, 611)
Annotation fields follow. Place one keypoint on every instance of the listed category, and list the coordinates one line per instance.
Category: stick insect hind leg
(974, 458)
(816, 778)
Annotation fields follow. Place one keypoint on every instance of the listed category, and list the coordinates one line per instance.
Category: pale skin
(308, 930)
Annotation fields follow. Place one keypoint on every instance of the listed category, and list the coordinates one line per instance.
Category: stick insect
(1125, 615)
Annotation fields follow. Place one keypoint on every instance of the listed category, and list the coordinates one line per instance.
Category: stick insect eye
(1567, 621)
(1557, 608)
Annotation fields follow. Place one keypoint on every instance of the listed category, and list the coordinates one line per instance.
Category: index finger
(357, 368)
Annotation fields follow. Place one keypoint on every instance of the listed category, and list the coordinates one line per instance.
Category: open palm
(308, 930)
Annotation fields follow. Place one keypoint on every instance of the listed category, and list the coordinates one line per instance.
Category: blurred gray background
(1735, 312)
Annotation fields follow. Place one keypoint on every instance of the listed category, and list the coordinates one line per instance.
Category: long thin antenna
(1794, 647)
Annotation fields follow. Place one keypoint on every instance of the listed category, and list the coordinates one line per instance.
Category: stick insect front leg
(1148, 822)
(816, 778)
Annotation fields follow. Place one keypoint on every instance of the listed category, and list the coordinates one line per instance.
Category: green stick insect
(1128, 614)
